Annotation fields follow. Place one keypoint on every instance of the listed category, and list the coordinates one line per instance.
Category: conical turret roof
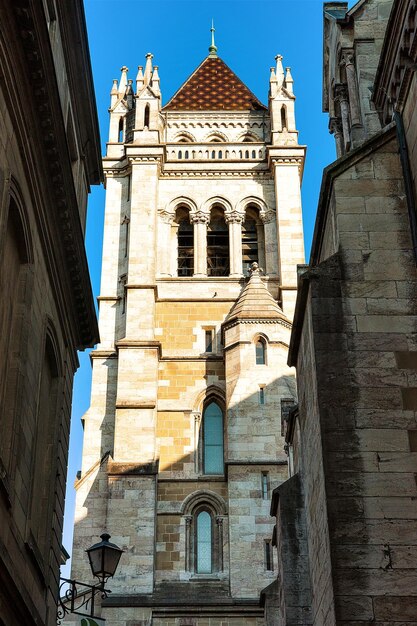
(255, 302)
(213, 87)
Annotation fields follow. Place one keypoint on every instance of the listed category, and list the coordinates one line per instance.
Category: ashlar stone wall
(356, 362)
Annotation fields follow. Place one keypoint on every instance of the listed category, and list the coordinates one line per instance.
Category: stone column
(341, 96)
(357, 130)
(234, 221)
(165, 261)
(200, 221)
(267, 237)
(219, 522)
(188, 555)
(336, 129)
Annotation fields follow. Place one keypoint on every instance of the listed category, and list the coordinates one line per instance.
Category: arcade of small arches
(207, 152)
(217, 240)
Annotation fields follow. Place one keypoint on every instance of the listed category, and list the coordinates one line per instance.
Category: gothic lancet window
(217, 244)
(213, 439)
(284, 122)
(146, 117)
(120, 132)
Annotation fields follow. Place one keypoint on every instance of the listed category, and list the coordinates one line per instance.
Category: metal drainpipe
(408, 181)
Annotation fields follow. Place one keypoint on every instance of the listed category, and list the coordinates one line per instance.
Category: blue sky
(249, 34)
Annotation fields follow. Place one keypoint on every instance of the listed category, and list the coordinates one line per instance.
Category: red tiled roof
(214, 87)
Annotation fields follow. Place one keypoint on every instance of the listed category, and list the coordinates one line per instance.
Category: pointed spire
(155, 81)
(213, 47)
(273, 88)
(123, 80)
(289, 80)
(280, 70)
(139, 79)
(114, 92)
(148, 69)
(255, 301)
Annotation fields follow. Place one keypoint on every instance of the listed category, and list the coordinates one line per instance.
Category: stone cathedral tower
(183, 436)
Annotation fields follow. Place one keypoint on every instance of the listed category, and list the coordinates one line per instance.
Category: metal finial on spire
(213, 47)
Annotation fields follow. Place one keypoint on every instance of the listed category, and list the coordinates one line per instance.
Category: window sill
(205, 577)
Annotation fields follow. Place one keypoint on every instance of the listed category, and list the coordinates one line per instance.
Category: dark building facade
(346, 527)
(49, 157)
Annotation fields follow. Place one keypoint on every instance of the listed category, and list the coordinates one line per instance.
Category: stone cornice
(274, 320)
(397, 61)
(216, 174)
(47, 159)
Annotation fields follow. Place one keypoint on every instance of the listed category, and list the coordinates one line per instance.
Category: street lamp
(79, 598)
(104, 558)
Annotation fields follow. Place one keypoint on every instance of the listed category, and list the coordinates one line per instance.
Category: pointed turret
(273, 83)
(281, 106)
(288, 80)
(123, 81)
(113, 93)
(155, 81)
(280, 70)
(255, 301)
(148, 69)
(139, 79)
(148, 104)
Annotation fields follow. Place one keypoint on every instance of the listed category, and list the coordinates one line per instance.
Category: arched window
(253, 239)
(186, 154)
(180, 154)
(120, 133)
(253, 154)
(260, 351)
(213, 462)
(146, 117)
(205, 527)
(204, 543)
(217, 244)
(284, 117)
(213, 154)
(185, 242)
(15, 290)
(43, 460)
(246, 154)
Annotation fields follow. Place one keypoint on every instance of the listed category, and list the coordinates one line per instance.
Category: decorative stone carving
(233, 217)
(255, 269)
(336, 129)
(166, 216)
(199, 217)
(267, 216)
(342, 97)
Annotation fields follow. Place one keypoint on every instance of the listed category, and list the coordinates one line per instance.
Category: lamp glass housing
(104, 558)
